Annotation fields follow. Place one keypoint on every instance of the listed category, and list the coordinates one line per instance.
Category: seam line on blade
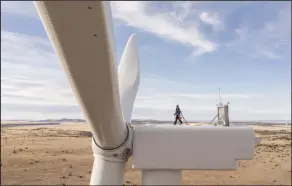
(126, 139)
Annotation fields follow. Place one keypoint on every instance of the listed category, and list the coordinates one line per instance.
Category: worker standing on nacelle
(177, 115)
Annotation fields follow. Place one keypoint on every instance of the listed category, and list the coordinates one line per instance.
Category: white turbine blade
(129, 77)
(81, 33)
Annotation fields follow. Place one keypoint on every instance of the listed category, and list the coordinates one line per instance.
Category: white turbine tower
(81, 33)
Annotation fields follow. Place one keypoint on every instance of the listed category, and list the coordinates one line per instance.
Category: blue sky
(187, 51)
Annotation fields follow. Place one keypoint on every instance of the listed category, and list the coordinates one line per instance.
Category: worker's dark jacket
(177, 111)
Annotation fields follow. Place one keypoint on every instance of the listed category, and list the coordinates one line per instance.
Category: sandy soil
(62, 154)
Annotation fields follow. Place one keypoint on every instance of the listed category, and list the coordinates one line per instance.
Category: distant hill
(152, 121)
(59, 120)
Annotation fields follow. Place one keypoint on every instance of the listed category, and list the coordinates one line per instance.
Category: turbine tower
(81, 33)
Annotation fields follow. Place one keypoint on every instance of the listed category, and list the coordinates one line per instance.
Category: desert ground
(62, 155)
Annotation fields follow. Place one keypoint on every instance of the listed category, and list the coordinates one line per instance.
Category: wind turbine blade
(129, 77)
(81, 33)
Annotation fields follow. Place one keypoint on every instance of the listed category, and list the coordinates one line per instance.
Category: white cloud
(273, 41)
(15, 90)
(170, 24)
(21, 8)
(270, 111)
(139, 14)
(20, 49)
(267, 54)
(212, 95)
(180, 22)
(212, 19)
(34, 86)
(31, 79)
(182, 10)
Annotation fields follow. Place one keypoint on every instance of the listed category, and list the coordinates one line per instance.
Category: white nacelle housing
(191, 147)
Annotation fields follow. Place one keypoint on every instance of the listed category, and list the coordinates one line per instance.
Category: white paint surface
(129, 78)
(106, 172)
(161, 177)
(191, 147)
(81, 33)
